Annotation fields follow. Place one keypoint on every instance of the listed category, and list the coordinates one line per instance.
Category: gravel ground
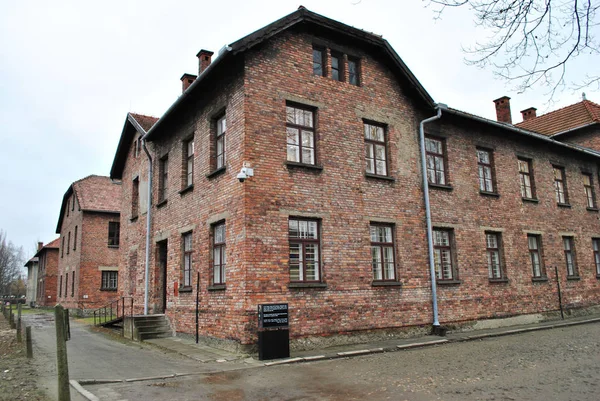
(18, 376)
(558, 364)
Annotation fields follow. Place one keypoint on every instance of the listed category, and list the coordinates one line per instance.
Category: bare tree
(11, 264)
(534, 41)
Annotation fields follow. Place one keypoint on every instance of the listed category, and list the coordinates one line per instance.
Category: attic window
(319, 61)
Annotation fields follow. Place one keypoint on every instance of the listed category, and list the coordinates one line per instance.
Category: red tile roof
(574, 116)
(146, 122)
(51, 245)
(98, 193)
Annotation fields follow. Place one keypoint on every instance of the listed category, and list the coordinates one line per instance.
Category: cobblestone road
(558, 364)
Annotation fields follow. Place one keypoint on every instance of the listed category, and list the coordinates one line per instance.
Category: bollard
(19, 337)
(28, 342)
(11, 317)
(62, 362)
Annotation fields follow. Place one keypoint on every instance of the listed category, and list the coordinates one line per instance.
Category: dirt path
(18, 376)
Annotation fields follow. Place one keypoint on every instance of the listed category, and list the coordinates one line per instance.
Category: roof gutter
(222, 55)
(523, 132)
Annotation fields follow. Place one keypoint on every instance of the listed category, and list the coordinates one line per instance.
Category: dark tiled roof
(146, 122)
(309, 20)
(133, 123)
(571, 117)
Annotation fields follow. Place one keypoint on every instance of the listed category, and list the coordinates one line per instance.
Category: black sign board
(273, 316)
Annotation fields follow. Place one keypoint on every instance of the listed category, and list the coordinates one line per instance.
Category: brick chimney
(40, 246)
(204, 57)
(186, 81)
(503, 110)
(529, 113)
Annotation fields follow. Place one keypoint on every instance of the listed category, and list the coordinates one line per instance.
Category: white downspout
(439, 108)
(148, 220)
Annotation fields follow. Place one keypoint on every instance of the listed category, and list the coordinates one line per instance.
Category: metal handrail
(112, 311)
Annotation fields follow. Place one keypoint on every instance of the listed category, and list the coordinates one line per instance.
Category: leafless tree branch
(533, 42)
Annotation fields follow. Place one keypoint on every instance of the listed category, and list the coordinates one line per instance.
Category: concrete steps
(151, 326)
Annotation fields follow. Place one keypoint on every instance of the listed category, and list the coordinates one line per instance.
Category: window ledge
(185, 289)
(187, 189)
(161, 203)
(440, 186)
(217, 287)
(563, 205)
(216, 172)
(108, 289)
(303, 165)
(380, 177)
(539, 279)
(307, 285)
(592, 209)
(114, 246)
(532, 200)
(573, 278)
(492, 194)
(498, 280)
(386, 284)
(134, 218)
(448, 282)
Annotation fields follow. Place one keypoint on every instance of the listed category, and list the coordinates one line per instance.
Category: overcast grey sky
(71, 70)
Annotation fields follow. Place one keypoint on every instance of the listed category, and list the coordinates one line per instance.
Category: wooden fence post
(62, 362)
(19, 337)
(28, 342)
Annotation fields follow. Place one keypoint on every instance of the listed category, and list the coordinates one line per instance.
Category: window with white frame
(304, 250)
(300, 131)
(375, 149)
(187, 260)
(570, 262)
(445, 268)
(436, 163)
(493, 242)
(219, 254)
(485, 170)
(382, 252)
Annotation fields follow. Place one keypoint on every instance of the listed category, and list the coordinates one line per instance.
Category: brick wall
(253, 94)
(69, 259)
(48, 280)
(470, 214)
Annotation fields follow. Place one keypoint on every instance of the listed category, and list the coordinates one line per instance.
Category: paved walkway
(205, 354)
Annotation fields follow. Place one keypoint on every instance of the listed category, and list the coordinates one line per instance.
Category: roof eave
(572, 129)
(521, 131)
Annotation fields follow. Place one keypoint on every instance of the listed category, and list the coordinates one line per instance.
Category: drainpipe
(439, 108)
(148, 219)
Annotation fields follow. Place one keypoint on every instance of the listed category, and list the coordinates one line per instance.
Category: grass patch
(85, 320)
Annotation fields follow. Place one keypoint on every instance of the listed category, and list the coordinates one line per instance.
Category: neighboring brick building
(333, 219)
(89, 229)
(578, 123)
(47, 268)
(32, 272)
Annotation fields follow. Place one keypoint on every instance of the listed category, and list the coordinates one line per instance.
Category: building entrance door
(161, 260)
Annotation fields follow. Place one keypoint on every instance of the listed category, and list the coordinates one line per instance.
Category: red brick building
(89, 228)
(47, 268)
(332, 221)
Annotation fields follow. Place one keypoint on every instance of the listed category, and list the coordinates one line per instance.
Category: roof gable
(133, 123)
(300, 16)
(94, 193)
(568, 118)
(51, 245)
